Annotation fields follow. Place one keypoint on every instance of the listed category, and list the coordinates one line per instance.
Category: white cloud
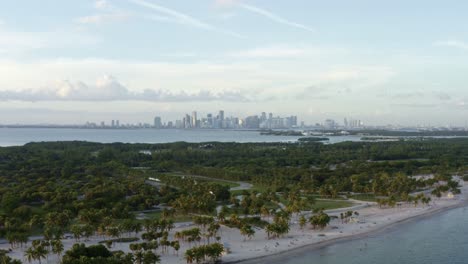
(108, 88)
(452, 44)
(254, 80)
(184, 19)
(101, 4)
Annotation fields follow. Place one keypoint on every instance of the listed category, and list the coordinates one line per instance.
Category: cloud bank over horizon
(107, 88)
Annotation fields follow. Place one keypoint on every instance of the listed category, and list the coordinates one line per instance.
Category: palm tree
(265, 212)
(137, 227)
(40, 253)
(57, 247)
(150, 258)
(247, 231)
(139, 256)
(77, 231)
(30, 255)
(189, 256)
(302, 221)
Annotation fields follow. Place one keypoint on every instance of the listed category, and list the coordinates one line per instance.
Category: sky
(383, 62)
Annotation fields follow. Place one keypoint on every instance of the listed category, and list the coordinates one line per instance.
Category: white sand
(370, 218)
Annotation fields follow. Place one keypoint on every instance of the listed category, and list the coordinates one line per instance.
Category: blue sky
(400, 62)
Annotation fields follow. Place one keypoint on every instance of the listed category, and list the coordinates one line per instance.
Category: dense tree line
(88, 188)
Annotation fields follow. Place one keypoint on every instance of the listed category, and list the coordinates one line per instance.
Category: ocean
(21, 136)
(438, 239)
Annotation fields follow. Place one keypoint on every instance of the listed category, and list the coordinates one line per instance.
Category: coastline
(292, 252)
(326, 243)
(370, 222)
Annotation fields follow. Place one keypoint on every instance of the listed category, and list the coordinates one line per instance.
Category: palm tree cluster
(392, 201)
(280, 225)
(319, 220)
(4, 259)
(96, 254)
(204, 253)
(346, 216)
(144, 253)
(189, 235)
(39, 250)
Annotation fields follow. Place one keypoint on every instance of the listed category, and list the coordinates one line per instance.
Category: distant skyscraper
(113, 123)
(221, 115)
(209, 119)
(252, 122)
(264, 117)
(117, 123)
(157, 122)
(194, 119)
(270, 116)
(188, 121)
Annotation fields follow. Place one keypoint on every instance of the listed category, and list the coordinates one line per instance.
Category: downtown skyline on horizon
(97, 59)
(227, 120)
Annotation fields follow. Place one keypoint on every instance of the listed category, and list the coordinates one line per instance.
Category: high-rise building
(157, 122)
(209, 118)
(194, 119)
(221, 115)
(188, 121)
(252, 122)
(117, 123)
(113, 123)
(270, 116)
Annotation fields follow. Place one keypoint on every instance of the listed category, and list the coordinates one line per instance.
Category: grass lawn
(177, 218)
(364, 197)
(331, 204)
(257, 188)
(203, 179)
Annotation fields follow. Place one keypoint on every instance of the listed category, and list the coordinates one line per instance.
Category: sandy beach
(371, 219)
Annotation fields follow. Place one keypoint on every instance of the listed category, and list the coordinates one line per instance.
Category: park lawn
(213, 180)
(176, 218)
(257, 188)
(229, 184)
(331, 204)
(364, 197)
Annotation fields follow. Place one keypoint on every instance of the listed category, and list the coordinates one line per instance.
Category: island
(84, 202)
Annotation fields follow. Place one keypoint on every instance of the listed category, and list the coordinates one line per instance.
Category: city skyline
(209, 121)
(63, 61)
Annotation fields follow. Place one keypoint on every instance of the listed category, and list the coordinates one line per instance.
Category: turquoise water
(442, 238)
(21, 136)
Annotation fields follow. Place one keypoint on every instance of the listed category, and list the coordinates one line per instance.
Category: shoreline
(371, 221)
(350, 237)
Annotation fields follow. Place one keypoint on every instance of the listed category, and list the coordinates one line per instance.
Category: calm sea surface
(442, 238)
(21, 136)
